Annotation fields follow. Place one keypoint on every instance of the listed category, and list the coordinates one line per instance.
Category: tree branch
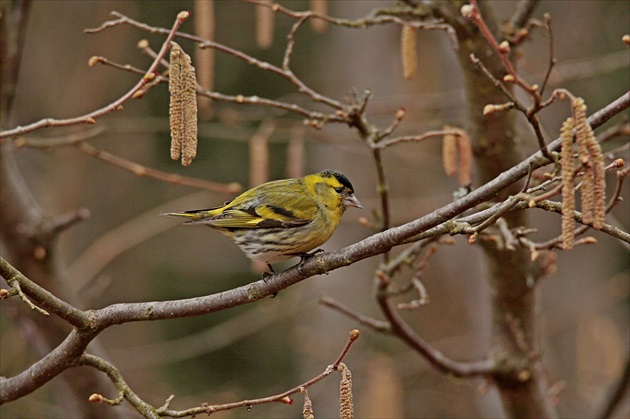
(401, 329)
(90, 118)
(67, 353)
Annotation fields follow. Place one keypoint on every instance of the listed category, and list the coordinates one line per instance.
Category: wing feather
(277, 205)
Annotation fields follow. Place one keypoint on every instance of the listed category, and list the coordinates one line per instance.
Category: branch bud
(182, 16)
(142, 44)
(469, 11)
(95, 398)
(94, 60)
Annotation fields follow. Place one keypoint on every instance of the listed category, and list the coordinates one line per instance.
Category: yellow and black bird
(281, 219)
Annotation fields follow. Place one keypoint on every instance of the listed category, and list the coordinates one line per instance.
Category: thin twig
(376, 17)
(123, 388)
(15, 284)
(530, 114)
(413, 138)
(614, 200)
(552, 58)
(239, 99)
(377, 325)
(50, 302)
(401, 329)
(90, 118)
(476, 17)
(124, 67)
(286, 61)
(209, 409)
(607, 228)
(141, 170)
(78, 139)
(505, 207)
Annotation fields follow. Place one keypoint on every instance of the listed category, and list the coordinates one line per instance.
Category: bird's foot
(266, 275)
(271, 272)
(306, 256)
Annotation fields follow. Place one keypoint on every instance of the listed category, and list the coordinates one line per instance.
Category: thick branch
(61, 358)
(401, 329)
(49, 301)
(65, 355)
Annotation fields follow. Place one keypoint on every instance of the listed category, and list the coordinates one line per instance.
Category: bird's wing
(274, 209)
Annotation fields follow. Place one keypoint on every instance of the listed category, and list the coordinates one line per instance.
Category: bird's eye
(339, 189)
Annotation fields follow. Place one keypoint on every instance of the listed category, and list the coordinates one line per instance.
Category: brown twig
(530, 113)
(288, 51)
(78, 139)
(17, 290)
(505, 207)
(43, 298)
(141, 170)
(402, 330)
(614, 200)
(474, 15)
(383, 192)
(413, 138)
(144, 46)
(552, 58)
(90, 118)
(124, 67)
(377, 325)
(123, 388)
(377, 17)
(209, 409)
(239, 99)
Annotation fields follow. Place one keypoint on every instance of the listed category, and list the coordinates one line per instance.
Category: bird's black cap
(340, 177)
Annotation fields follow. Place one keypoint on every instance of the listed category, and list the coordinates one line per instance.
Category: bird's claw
(306, 256)
(266, 275)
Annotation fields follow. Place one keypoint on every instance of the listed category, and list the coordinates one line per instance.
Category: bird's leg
(304, 257)
(266, 275)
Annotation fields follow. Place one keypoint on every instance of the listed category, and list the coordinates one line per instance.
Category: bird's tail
(191, 215)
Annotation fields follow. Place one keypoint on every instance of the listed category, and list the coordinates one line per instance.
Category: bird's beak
(352, 201)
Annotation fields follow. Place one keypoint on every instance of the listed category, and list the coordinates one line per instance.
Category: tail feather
(188, 214)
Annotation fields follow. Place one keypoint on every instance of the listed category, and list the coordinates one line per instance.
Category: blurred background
(125, 252)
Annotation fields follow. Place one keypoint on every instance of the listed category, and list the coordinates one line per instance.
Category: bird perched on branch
(281, 219)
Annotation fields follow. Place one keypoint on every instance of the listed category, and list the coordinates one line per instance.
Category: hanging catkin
(183, 106)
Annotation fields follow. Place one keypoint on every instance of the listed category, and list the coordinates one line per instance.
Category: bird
(281, 219)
